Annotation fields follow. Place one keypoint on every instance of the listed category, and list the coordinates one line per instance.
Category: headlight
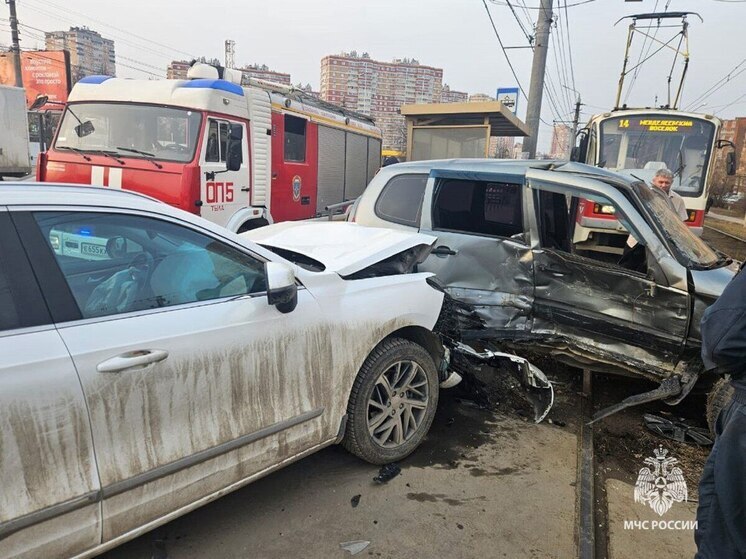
(603, 209)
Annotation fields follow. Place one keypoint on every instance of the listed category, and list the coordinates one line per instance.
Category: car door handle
(132, 359)
(245, 189)
(443, 251)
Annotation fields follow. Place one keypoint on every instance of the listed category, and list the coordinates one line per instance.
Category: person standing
(663, 180)
(721, 513)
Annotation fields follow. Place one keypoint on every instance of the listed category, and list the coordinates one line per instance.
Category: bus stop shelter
(447, 130)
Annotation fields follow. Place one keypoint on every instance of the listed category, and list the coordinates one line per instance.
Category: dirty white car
(151, 362)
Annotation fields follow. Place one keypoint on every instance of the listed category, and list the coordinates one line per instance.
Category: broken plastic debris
(354, 547)
(677, 430)
(387, 473)
(355, 501)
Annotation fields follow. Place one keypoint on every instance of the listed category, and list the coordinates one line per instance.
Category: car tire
(718, 398)
(382, 425)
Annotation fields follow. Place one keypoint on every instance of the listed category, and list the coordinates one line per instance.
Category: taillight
(695, 218)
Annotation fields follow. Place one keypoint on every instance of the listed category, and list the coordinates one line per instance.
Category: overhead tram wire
(563, 56)
(562, 73)
(120, 39)
(569, 47)
(507, 58)
(66, 10)
(549, 87)
(642, 53)
(139, 68)
(718, 84)
(579, 3)
(529, 38)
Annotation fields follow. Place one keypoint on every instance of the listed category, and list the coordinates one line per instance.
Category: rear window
(401, 200)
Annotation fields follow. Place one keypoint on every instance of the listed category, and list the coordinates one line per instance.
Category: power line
(507, 59)
(66, 10)
(643, 53)
(569, 46)
(120, 39)
(499, 3)
(718, 84)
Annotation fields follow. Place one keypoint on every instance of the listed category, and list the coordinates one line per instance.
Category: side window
(217, 140)
(295, 139)
(553, 217)
(479, 207)
(115, 263)
(21, 302)
(401, 200)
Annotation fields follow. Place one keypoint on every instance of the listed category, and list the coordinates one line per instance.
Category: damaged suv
(505, 251)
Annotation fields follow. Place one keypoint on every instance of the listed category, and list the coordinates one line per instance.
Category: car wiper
(75, 150)
(148, 156)
(106, 153)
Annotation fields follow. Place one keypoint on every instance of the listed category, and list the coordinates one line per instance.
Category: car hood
(341, 247)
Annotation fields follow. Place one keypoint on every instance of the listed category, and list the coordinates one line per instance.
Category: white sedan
(151, 361)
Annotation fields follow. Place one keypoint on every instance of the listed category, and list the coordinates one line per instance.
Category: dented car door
(193, 384)
(633, 318)
(482, 254)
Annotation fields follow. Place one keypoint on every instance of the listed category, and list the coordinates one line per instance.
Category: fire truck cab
(240, 156)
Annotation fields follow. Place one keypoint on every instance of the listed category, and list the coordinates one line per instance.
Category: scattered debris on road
(354, 547)
(387, 473)
(355, 501)
(677, 430)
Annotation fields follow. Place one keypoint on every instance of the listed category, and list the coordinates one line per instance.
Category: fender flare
(247, 214)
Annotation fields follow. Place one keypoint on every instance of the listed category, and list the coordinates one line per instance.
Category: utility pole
(15, 47)
(576, 121)
(538, 69)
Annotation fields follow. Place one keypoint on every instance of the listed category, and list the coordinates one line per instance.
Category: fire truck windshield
(641, 144)
(164, 133)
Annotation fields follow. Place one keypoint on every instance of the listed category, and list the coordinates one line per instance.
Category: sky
(456, 35)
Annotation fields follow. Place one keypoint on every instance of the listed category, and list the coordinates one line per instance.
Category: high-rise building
(177, 70)
(379, 89)
(90, 53)
(447, 95)
(480, 98)
(504, 147)
(560, 142)
(262, 72)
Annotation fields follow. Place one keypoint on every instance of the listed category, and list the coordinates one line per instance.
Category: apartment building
(90, 53)
(379, 89)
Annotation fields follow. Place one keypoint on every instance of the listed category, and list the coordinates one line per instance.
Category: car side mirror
(39, 102)
(730, 163)
(116, 247)
(84, 129)
(234, 149)
(282, 291)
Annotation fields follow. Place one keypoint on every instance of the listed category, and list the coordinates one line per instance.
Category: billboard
(508, 96)
(43, 71)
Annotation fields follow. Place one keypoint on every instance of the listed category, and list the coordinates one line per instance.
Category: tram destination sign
(656, 124)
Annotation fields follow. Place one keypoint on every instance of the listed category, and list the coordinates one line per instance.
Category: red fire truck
(238, 156)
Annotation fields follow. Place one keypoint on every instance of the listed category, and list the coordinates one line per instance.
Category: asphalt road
(484, 484)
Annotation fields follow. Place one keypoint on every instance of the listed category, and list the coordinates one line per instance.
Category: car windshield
(690, 249)
(643, 144)
(163, 133)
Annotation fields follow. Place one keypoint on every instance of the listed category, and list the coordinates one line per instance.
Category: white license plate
(93, 250)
